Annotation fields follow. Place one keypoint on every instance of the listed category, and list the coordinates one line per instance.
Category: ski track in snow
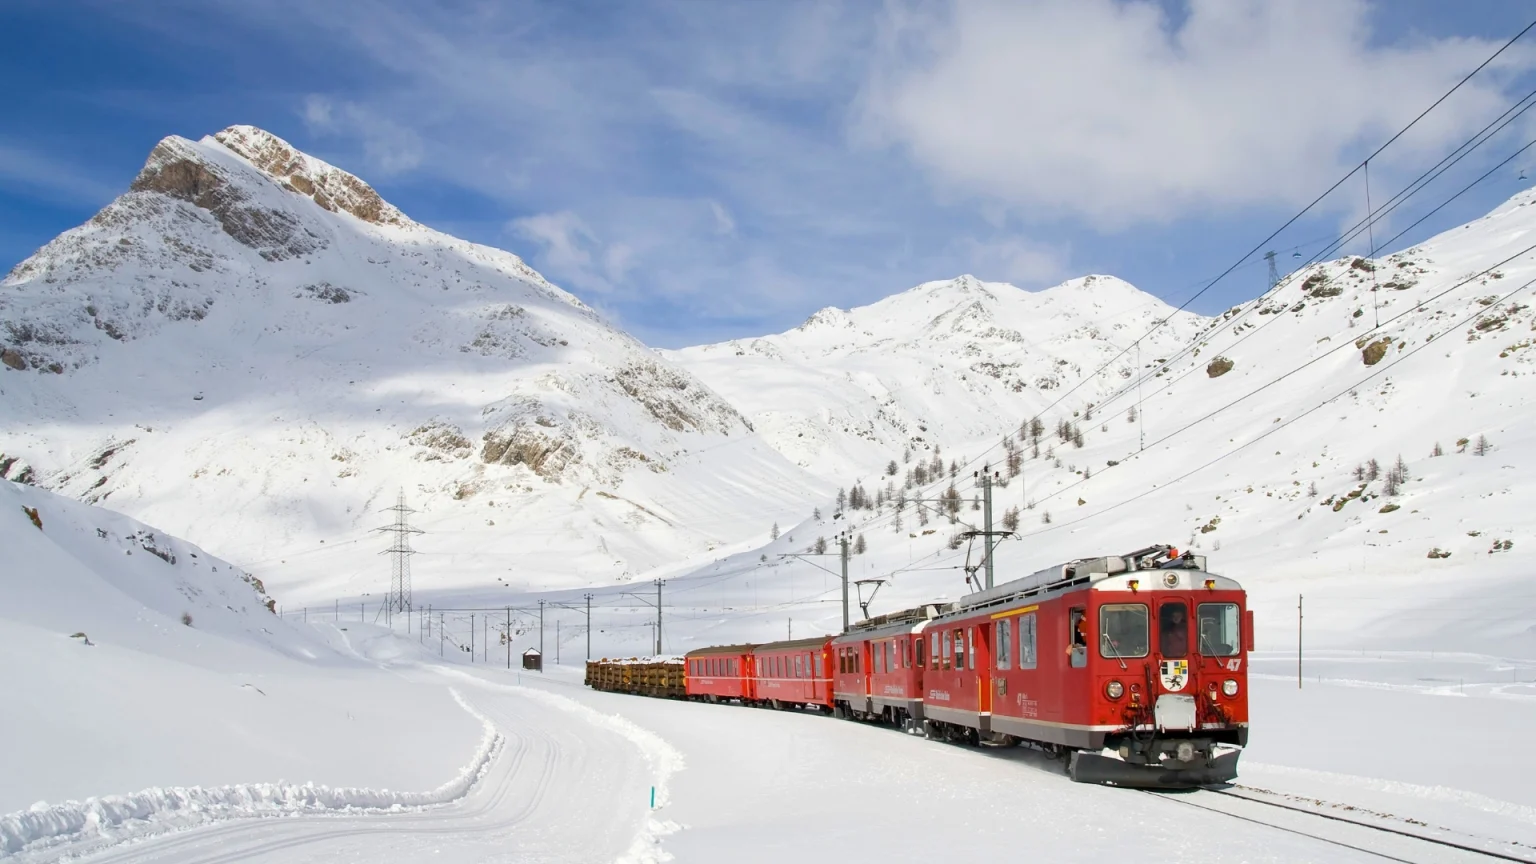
(119, 818)
(663, 759)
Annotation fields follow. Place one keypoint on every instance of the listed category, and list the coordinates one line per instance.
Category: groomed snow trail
(555, 791)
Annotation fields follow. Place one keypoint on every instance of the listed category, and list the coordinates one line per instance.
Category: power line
(1292, 220)
(1278, 426)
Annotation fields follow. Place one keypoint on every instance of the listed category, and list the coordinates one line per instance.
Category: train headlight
(1114, 689)
(1229, 687)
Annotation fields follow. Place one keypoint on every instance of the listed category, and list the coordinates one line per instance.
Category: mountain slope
(252, 348)
(943, 363)
(1255, 446)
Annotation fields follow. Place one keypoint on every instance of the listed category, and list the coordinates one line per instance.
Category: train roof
(791, 645)
(731, 650)
(1084, 571)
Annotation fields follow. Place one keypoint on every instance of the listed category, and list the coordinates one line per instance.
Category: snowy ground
(572, 775)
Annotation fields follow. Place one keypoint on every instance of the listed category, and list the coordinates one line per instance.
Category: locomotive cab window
(959, 649)
(1173, 629)
(1219, 629)
(1123, 630)
(1077, 635)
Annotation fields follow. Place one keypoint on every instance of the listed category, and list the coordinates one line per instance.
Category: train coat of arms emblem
(1175, 673)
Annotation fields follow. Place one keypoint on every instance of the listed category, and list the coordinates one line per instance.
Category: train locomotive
(1132, 668)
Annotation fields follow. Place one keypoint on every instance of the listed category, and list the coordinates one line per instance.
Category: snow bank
(119, 817)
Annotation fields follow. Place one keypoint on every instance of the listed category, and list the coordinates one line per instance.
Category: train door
(1075, 681)
(983, 667)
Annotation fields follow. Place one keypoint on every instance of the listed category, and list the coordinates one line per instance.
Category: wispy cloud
(387, 146)
(47, 177)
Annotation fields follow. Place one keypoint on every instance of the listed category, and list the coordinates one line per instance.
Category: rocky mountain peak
(329, 186)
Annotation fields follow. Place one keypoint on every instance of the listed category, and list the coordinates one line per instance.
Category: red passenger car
(879, 668)
(720, 674)
(794, 674)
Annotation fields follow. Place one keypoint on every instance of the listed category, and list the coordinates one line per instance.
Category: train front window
(1123, 630)
(1173, 629)
(1220, 629)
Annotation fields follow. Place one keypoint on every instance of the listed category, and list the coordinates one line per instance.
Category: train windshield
(1123, 630)
(1173, 629)
(1220, 633)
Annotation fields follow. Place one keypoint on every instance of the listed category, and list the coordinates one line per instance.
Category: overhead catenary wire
(1292, 220)
(1417, 307)
(1284, 424)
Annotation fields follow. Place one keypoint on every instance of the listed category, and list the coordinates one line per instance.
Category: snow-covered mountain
(1268, 442)
(252, 348)
(944, 363)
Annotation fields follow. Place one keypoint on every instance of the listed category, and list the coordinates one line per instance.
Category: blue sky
(706, 170)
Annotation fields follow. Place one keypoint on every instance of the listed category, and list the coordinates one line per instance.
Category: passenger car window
(1004, 653)
(1220, 629)
(1123, 630)
(1027, 641)
(922, 659)
(945, 639)
(959, 649)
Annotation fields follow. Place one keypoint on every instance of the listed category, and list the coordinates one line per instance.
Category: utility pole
(589, 627)
(541, 631)
(986, 476)
(508, 637)
(842, 553)
(842, 540)
(471, 637)
(442, 637)
(1298, 641)
(659, 583)
(986, 515)
(399, 599)
(557, 643)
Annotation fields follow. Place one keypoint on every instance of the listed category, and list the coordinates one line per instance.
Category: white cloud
(388, 147)
(1108, 112)
(569, 249)
(724, 224)
(1017, 260)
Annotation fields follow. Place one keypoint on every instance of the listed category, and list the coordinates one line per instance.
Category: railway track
(1437, 848)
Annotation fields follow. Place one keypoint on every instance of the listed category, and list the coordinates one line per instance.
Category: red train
(1132, 667)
